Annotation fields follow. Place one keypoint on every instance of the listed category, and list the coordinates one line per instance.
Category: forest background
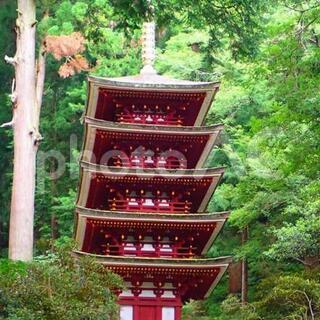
(268, 60)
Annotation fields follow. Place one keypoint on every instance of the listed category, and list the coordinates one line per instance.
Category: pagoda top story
(149, 98)
(127, 98)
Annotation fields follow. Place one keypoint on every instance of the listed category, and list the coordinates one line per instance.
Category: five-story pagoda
(143, 193)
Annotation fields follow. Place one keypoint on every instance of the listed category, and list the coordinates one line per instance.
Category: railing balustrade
(149, 205)
(137, 249)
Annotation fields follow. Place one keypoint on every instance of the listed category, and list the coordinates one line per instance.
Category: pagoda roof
(152, 80)
(105, 93)
(154, 262)
(116, 126)
(151, 216)
(209, 223)
(193, 143)
(151, 172)
(206, 273)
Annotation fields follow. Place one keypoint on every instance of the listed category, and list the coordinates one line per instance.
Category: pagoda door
(156, 313)
(147, 313)
(151, 312)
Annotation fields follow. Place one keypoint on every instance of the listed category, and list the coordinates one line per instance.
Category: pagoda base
(156, 288)
(144, 307)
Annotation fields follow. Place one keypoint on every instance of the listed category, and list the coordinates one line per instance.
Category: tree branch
(7, 124)
(301, 10)
(40, 78)
(39, 87)
(41, 71)
(315, 40)
(305, 263)
(309, 303)
(302, 261)
(13, 96)
(10, 60)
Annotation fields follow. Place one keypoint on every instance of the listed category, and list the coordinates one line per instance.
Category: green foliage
(194, 310)
(235, 310)
(181, 57)
(236, 20)
(294, 296)
(63, 104)
(270, 109)
(290, 297)
(299, 240)
(79, 10)
(57, 287)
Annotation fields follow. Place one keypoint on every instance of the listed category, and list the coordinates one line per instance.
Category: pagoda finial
(148, 46)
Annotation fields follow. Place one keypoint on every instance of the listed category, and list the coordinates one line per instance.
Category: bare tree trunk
(25, 136)
(311, 262)
(244, 271)
(54, 222)
(235, 277)
(41, 73)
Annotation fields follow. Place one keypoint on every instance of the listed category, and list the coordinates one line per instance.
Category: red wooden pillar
(158, 312)
(178, 313)
(136, 312)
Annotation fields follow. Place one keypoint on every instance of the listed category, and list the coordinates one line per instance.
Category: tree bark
(311, 262)
(235, 277)
(53, 222)
(244, 271)
(25, 140)
(40, 77)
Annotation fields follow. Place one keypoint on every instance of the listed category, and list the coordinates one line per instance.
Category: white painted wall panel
(168, 313)
(126, 313)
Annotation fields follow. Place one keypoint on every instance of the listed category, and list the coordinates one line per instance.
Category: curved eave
(152, 82)
(109, 125)
(151, 216)
(183, 173)
(158, 262)
(222, 263)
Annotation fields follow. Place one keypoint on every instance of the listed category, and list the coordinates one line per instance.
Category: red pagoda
(141, 209)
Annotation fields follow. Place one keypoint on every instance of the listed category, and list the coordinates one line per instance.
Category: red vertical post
(244, 273)
(135, 312)
(178, 313)
(159, 313)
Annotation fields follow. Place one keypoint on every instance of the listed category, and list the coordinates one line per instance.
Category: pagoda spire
(148, 45)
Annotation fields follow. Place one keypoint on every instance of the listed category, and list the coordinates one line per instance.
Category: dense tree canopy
(57, 287)
(237, 21)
